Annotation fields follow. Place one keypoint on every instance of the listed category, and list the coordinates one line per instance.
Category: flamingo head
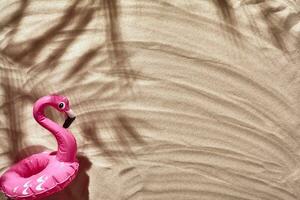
(61, 103)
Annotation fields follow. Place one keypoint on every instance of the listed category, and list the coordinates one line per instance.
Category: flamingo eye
(61, 105)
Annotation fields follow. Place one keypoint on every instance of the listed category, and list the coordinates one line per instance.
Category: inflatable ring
(43, 174)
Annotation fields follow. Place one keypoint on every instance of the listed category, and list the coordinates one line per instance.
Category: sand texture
(175, 99)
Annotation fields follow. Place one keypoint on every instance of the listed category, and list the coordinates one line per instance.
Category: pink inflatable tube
(43, 174)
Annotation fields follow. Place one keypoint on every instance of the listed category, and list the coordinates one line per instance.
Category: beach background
(175, 99)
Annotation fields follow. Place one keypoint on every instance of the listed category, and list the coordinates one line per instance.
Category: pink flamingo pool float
(45, 173)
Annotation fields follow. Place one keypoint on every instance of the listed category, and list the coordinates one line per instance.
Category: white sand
(175, 99)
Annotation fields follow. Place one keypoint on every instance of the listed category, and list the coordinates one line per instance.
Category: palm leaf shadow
(274, 30)
(117, 52)
(13, 112)
(228, 14)
(28, 54)
(124, 132)
(16, 18)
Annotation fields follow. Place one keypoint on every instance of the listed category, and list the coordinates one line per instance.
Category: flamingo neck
(66, 142)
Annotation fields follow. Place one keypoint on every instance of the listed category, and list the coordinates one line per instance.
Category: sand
(174, 99)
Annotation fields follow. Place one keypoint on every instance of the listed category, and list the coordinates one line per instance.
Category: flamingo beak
(70, 118)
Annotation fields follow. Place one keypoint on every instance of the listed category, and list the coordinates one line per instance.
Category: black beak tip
(68, 122)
